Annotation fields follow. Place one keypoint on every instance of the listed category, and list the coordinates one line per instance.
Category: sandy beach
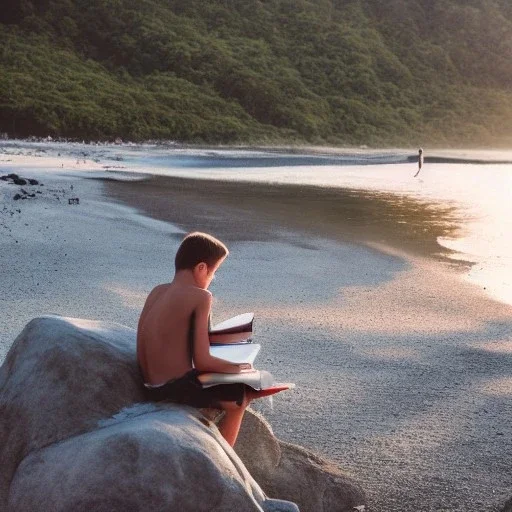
(402, 369)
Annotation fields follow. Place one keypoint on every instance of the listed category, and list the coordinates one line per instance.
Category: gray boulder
(77, 435)
(58, 380)
(150, 460)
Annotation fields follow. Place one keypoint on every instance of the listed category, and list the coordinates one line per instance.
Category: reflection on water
(229, 208)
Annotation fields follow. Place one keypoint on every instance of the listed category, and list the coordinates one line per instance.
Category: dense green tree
(338, 71)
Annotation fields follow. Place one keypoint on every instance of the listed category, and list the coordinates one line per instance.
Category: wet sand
(347, 215)
(402, 370)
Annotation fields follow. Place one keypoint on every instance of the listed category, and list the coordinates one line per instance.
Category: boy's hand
(245, 366)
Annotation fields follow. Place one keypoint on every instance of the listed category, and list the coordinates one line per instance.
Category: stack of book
(231, 340)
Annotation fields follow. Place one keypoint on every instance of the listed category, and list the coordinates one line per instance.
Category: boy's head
(200, 248)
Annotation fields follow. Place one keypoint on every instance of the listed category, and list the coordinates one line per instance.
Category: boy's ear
(202, 267)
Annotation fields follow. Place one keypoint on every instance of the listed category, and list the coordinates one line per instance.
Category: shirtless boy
(173, 345)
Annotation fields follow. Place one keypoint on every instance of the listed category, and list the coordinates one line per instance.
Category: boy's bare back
(163, 332)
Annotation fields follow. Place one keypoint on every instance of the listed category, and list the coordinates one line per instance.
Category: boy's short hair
(199, 247)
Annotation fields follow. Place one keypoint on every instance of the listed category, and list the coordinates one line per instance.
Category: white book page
(245, 353)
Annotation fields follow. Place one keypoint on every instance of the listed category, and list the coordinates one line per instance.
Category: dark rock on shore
(17, 180)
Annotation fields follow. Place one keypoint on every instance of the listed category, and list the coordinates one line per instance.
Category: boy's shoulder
(187, 296)
(158, 289)
(198, 294)
(193, 297)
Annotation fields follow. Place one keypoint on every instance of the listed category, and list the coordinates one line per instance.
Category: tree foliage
(374, 72)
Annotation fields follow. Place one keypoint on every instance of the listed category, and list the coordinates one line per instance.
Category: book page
(236, 353)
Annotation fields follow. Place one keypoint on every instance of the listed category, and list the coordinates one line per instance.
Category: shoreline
(402, 370)
(408, 154)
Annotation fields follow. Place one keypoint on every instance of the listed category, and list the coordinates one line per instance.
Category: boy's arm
(203, 360)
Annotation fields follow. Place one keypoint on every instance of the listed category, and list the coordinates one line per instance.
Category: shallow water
(478, 195)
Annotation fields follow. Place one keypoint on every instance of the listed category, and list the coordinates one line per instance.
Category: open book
(243, 351)
(258, 379)
(234, 330)
(237, 353)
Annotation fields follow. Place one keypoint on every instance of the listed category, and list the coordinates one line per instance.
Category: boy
(173, 344)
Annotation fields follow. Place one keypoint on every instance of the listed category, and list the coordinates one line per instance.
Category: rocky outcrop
(77, 435)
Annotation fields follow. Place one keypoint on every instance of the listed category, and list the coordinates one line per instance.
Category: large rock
(76, 435)
(153, 459)
(58, 380)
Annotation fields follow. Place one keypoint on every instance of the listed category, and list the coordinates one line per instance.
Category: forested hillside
(375, 72)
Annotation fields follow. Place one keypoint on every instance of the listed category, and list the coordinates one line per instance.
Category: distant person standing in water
(420, 161)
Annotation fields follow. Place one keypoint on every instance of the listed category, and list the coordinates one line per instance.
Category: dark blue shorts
(188, 390)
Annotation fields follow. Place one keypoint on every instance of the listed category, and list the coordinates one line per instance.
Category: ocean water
(476, 184)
